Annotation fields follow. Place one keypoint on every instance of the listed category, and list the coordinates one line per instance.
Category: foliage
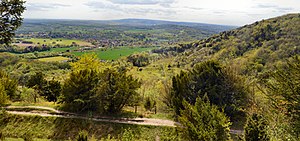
(204, 121)
(139, 60)
(3, 96)
(82, 136)
(10, 19)
(116, 89)
(222, 88)
(149, 104)
(28, 136)
(283, 89)
(10, 85)
(89, 88)
(2, 137)
(256, 128)
(37, 82)
(79, 90)
(88, 62)
(51, 90)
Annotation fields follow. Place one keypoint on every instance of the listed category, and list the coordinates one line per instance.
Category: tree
(283, 89)
(116, 89)
(87, 61)
(37, 82)
(10, 19)
(204, 122)
(79, 90)
(222, 87)
(256, 128)
(10, 85)
(52, 90)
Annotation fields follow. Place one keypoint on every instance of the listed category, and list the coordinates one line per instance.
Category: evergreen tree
(79, 90)
(116, 89)
(256, 128)
(204, 122)
(52, 90)
(223, 88)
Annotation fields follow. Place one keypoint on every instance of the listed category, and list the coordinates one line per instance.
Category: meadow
(60, 41)
(115, 53)
(54, 59)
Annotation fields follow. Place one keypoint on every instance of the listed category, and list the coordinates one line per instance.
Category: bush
(3, 96)
(256, 128)
(149, 104)
(222, 87)
(204, 122)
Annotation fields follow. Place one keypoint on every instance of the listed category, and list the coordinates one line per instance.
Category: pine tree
(204, 122)
(256, 128)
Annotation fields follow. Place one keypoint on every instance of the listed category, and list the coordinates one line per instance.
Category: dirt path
(61, 114)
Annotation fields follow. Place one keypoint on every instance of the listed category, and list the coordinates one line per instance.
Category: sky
(226, 12)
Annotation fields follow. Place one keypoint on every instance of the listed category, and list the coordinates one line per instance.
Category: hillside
(249, 49)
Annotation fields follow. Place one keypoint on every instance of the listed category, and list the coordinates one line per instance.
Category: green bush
(204, 122)
(3, 96)
(256, 128)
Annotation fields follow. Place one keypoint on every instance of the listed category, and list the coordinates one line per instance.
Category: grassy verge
(54, 128)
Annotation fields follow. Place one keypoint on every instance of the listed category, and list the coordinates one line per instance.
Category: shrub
(204, 122)
(256, 128)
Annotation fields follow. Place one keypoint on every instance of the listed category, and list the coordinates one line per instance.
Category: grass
(115, 53)
(55, 128)
(60, 41)
(54, 59)
(43, 104)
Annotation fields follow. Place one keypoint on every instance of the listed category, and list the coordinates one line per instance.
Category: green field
(54, 59)
(114, 54)
(60, 41)
(62, 49)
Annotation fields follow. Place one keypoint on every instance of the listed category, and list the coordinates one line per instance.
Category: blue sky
(229, 12)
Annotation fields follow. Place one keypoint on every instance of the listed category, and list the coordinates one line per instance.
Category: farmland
(115, 53)
(54, 59)
(51, 41)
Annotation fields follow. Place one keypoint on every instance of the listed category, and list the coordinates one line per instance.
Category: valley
(140, 79)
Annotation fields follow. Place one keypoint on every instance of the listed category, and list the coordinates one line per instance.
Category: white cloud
(233, 12)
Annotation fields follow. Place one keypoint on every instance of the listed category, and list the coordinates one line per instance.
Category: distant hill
(126, 32)
(131, 22)
(250, 49)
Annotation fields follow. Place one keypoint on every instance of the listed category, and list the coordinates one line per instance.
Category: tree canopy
(222, 87)
(10, 19)
(204, 121)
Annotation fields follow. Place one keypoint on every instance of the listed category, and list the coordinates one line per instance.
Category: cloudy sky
(229, 12)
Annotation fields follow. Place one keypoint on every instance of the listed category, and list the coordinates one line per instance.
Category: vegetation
(204, 121)
(250, 72)
(256, 128)
(10, 19)
(90, 89)
(56, 128)
(222, 88)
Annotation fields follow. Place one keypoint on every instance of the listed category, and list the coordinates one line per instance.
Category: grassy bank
(54, 128)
